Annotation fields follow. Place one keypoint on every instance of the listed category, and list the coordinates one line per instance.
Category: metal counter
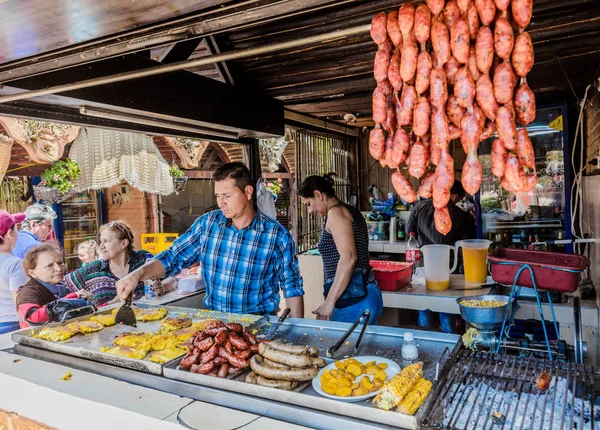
(305, 408)
(88, 346)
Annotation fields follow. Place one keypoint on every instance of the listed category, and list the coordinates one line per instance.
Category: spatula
(125, 314)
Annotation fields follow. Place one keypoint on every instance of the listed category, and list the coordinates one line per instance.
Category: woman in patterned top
(117, 260)
(350, 286)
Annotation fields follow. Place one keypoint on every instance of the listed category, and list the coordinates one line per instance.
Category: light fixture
(139, 119)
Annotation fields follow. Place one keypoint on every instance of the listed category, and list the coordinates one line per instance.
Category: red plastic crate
(391, 275)
(553, 271)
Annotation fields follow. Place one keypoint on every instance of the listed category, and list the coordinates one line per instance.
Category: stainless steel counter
(307, 407)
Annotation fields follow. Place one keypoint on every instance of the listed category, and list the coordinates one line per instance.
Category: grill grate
(476, 386)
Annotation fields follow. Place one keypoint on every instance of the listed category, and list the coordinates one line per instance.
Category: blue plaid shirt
(243, 270)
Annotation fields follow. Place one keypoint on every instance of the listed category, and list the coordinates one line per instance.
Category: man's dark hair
(457, 189)
(236, 171)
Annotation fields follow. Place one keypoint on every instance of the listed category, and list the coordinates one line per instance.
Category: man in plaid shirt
(245, 257)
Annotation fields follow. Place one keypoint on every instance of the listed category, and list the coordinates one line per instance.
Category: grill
(481, 390)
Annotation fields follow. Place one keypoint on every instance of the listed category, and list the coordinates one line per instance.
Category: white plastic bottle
(413, 253)
(410, 352)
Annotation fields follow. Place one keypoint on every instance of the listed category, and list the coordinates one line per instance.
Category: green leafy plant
(61, 175)
(175, 172)
(274, 187)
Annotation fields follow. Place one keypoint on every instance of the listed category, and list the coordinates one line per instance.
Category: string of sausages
(447, 70)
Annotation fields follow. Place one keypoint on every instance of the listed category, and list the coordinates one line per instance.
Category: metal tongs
(365, 315)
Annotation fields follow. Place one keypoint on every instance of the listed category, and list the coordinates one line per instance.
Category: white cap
(408, 336)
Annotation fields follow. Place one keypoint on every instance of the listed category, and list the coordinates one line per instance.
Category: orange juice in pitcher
(475, 253)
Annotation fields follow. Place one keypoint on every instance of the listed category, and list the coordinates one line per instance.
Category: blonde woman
(118, 259)
(88, 251)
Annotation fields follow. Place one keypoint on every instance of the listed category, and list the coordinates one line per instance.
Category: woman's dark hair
(323, 184)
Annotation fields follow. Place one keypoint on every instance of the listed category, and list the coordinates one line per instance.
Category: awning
(107, 157)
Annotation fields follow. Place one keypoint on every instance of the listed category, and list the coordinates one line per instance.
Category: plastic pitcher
(475, 253)
(436, 259)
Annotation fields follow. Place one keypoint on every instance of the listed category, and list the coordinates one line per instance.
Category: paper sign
(557, 124)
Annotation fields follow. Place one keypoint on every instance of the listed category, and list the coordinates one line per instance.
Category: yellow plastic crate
(156, 243)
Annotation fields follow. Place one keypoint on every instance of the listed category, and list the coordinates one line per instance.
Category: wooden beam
(319, 123)
(269, 175)
(221, 67)
(203, 23)
(335, 87)
(211, 158)
(175, 97)
(180, 51)
(198, 174)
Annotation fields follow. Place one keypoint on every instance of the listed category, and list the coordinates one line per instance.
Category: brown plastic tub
(552, 271)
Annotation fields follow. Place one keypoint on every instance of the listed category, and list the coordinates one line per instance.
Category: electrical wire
(576, 192)
(566, 76)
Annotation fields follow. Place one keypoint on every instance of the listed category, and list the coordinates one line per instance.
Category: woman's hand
(324, 311)
(84, 294)
(169, 284)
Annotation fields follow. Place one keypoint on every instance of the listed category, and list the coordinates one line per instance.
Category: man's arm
(290, 281)
(296, 305)
(182, 254)
(152, 269)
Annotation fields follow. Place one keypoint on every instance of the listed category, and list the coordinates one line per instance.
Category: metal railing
(318, 154)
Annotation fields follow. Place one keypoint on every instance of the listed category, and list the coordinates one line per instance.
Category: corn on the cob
(396, 388)
(413, 401)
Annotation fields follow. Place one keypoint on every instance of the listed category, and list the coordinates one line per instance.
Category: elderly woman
(12, 275)
(118, 259)
(88, 251)
(350, 287)
(45, 266)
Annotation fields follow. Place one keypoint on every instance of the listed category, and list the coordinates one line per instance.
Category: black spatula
(125, 314)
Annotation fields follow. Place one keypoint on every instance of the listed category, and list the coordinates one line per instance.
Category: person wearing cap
(12, 275)
(35, 228)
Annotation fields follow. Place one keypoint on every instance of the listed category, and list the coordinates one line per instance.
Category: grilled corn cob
(413, 401)
(396, 388)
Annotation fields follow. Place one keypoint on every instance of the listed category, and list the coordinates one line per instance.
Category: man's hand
(126, 285)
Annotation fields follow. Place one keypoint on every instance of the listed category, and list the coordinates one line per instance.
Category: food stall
(455, 387)
(311, 408)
